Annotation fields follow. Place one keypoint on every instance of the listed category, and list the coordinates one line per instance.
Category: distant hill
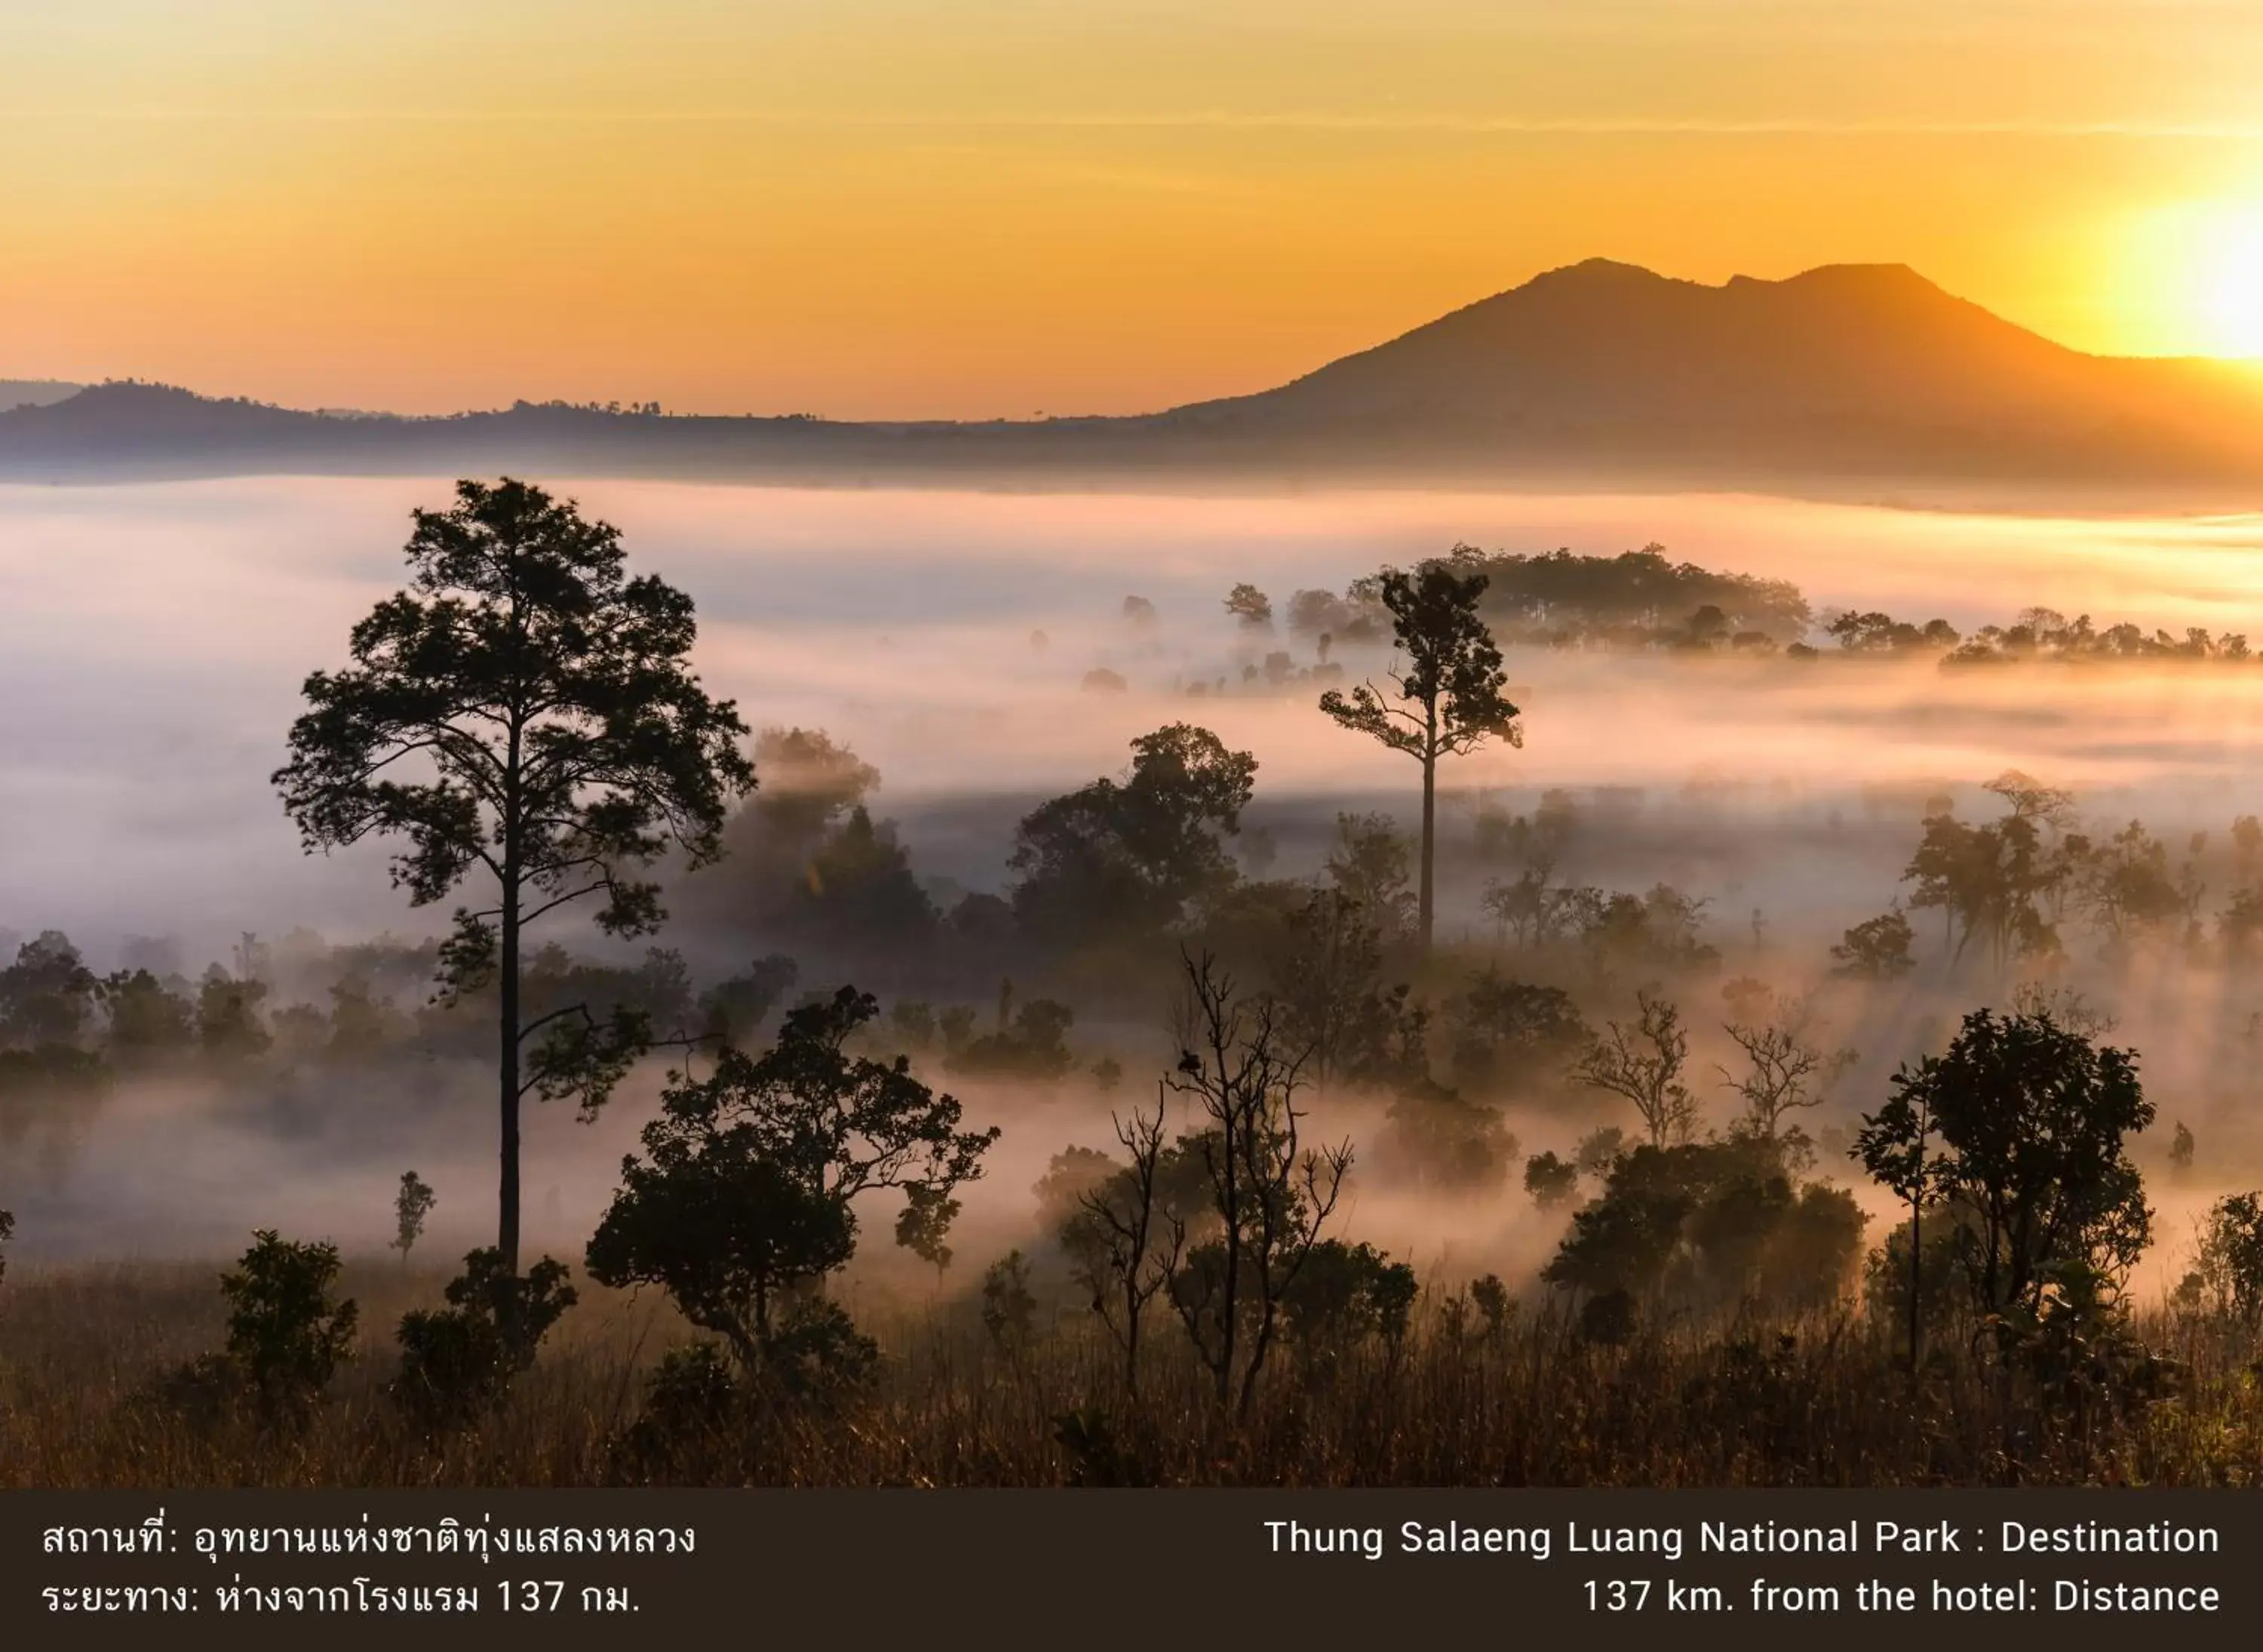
(1847, 375)
(1849, 369)
(36, 391)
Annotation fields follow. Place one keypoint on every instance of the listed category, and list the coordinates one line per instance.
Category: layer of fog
(152, 639)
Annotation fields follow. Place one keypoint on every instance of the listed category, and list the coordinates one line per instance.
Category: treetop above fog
(525, 703)
(1135, 853)
(1556, 590)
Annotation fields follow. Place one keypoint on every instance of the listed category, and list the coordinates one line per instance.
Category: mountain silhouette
(1601, 370)
(1602, 341)
(40, 392)
(1872, 364)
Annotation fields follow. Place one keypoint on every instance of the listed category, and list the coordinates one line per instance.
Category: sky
(981, 209)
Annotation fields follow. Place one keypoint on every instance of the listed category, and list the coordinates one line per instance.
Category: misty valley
(659, 983)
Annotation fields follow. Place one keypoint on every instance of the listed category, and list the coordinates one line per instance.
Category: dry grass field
(1821, 1402)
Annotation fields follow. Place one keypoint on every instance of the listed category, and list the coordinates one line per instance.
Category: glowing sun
(2231, 285)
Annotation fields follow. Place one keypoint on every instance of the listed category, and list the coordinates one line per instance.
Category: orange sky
(979, 207)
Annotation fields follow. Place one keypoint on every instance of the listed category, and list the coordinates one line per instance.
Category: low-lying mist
(152, 639)
(976, 651)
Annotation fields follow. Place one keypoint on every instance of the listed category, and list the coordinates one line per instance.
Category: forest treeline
(1642, 601)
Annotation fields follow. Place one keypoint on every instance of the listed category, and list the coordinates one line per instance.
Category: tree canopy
(2030, 1120)
(747, 1188)
(1130, 857)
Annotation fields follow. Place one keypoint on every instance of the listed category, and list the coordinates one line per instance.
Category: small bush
(691, 1399)
(458, 1361)
(1343, 1295)
(1608, 1320)
(1097, 1455)
(818, 1353)
(1010, 1311)
(285, 1337)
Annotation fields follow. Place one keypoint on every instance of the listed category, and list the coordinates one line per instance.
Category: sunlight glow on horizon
(2235, 296)
(900, 208)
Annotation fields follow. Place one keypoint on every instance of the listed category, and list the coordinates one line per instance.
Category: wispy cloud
(1605, 126)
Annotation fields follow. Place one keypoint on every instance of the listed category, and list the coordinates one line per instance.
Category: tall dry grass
(1823, 1400)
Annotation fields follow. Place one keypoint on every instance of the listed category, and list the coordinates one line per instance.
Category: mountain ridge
(1593, 369)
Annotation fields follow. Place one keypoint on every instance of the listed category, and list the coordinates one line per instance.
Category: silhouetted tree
(857, 892)
(1539, 839)
(1317, 613)
(286, 1334)
(1785, 1071)
(1343, 1295)
(1250, 607)
(1367, 864)
(1892, 1146)
(1328, 985)
(2181, 1147)
(1989, 881)
(733, 1008)
(1127, 858)
(2030, 1117)
(2227, 1273)
(1030, 1045)
(2246, 846)
(1438, 1137)
(1875, 949)
(1269, 1197)
(1658, 930)
(808, 865)
(1124, 1234)
(745, 1193)
(1524, 906)
(228, 1026)
(2240, 925)
(809, 781)
(1560, 596)
(410, 1206)
(460, 1361)
(146, 1019)
(1494, 1305)
(525, 709)
(362, 1023)
(1009, 1309)
(1550, 1181)
(1875, 633)
(1643, 1064)
(1715, 1221)
(1445, 700)
(1511, 1035)
(1599, 1149)
(47, 994)
(2124, 884)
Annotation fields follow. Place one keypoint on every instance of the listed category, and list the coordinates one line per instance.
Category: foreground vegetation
(1816, 1400)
